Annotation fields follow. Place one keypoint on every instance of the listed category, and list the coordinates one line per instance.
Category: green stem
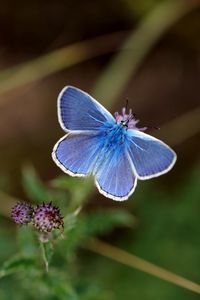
(138, 263)
(47, 252)
(44, 257)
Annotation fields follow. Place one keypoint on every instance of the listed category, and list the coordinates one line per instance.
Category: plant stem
(133, 261)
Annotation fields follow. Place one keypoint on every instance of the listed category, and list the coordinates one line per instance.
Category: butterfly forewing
(150, 156)
(79, 111)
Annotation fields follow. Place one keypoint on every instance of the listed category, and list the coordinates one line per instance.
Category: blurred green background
(145, 50)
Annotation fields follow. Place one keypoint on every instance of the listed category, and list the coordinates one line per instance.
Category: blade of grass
(138, 263)
(138, 45)
(57, 60)
(182, 127)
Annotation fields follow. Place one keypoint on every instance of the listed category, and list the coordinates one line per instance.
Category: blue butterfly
(112, 149)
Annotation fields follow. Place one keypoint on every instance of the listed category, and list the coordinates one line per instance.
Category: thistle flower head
(47, 217)
(127, 120)
(22, 213)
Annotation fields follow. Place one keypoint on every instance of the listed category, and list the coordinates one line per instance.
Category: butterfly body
(115, 135)
(113, 149)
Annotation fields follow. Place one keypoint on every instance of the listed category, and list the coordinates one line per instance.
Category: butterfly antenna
(153, 127)
(126, 104)
(133, 115)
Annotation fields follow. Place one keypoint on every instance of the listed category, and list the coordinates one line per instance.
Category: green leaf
(33, 186)
(79, 189)
(71, 219)
(75, 235)
(59, 286)
(27, 241)
(16, 264)
(104, 221)
(78, 230)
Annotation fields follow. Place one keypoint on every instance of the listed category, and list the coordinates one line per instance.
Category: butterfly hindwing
(115, 178)
(150, 156)
(77, 110)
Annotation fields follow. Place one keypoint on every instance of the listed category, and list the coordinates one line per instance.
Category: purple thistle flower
(128, 120)
(47, 217)
(22, 213)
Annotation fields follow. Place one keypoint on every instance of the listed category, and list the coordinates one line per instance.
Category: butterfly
(111, 148)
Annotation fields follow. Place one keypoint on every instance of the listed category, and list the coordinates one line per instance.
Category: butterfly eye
(124, 123)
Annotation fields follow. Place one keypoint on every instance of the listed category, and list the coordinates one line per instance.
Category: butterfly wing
(150, 157)
(115, 178)
(77, 110)
(76, 154)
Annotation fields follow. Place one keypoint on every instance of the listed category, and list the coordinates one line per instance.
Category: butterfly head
(127, 120)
